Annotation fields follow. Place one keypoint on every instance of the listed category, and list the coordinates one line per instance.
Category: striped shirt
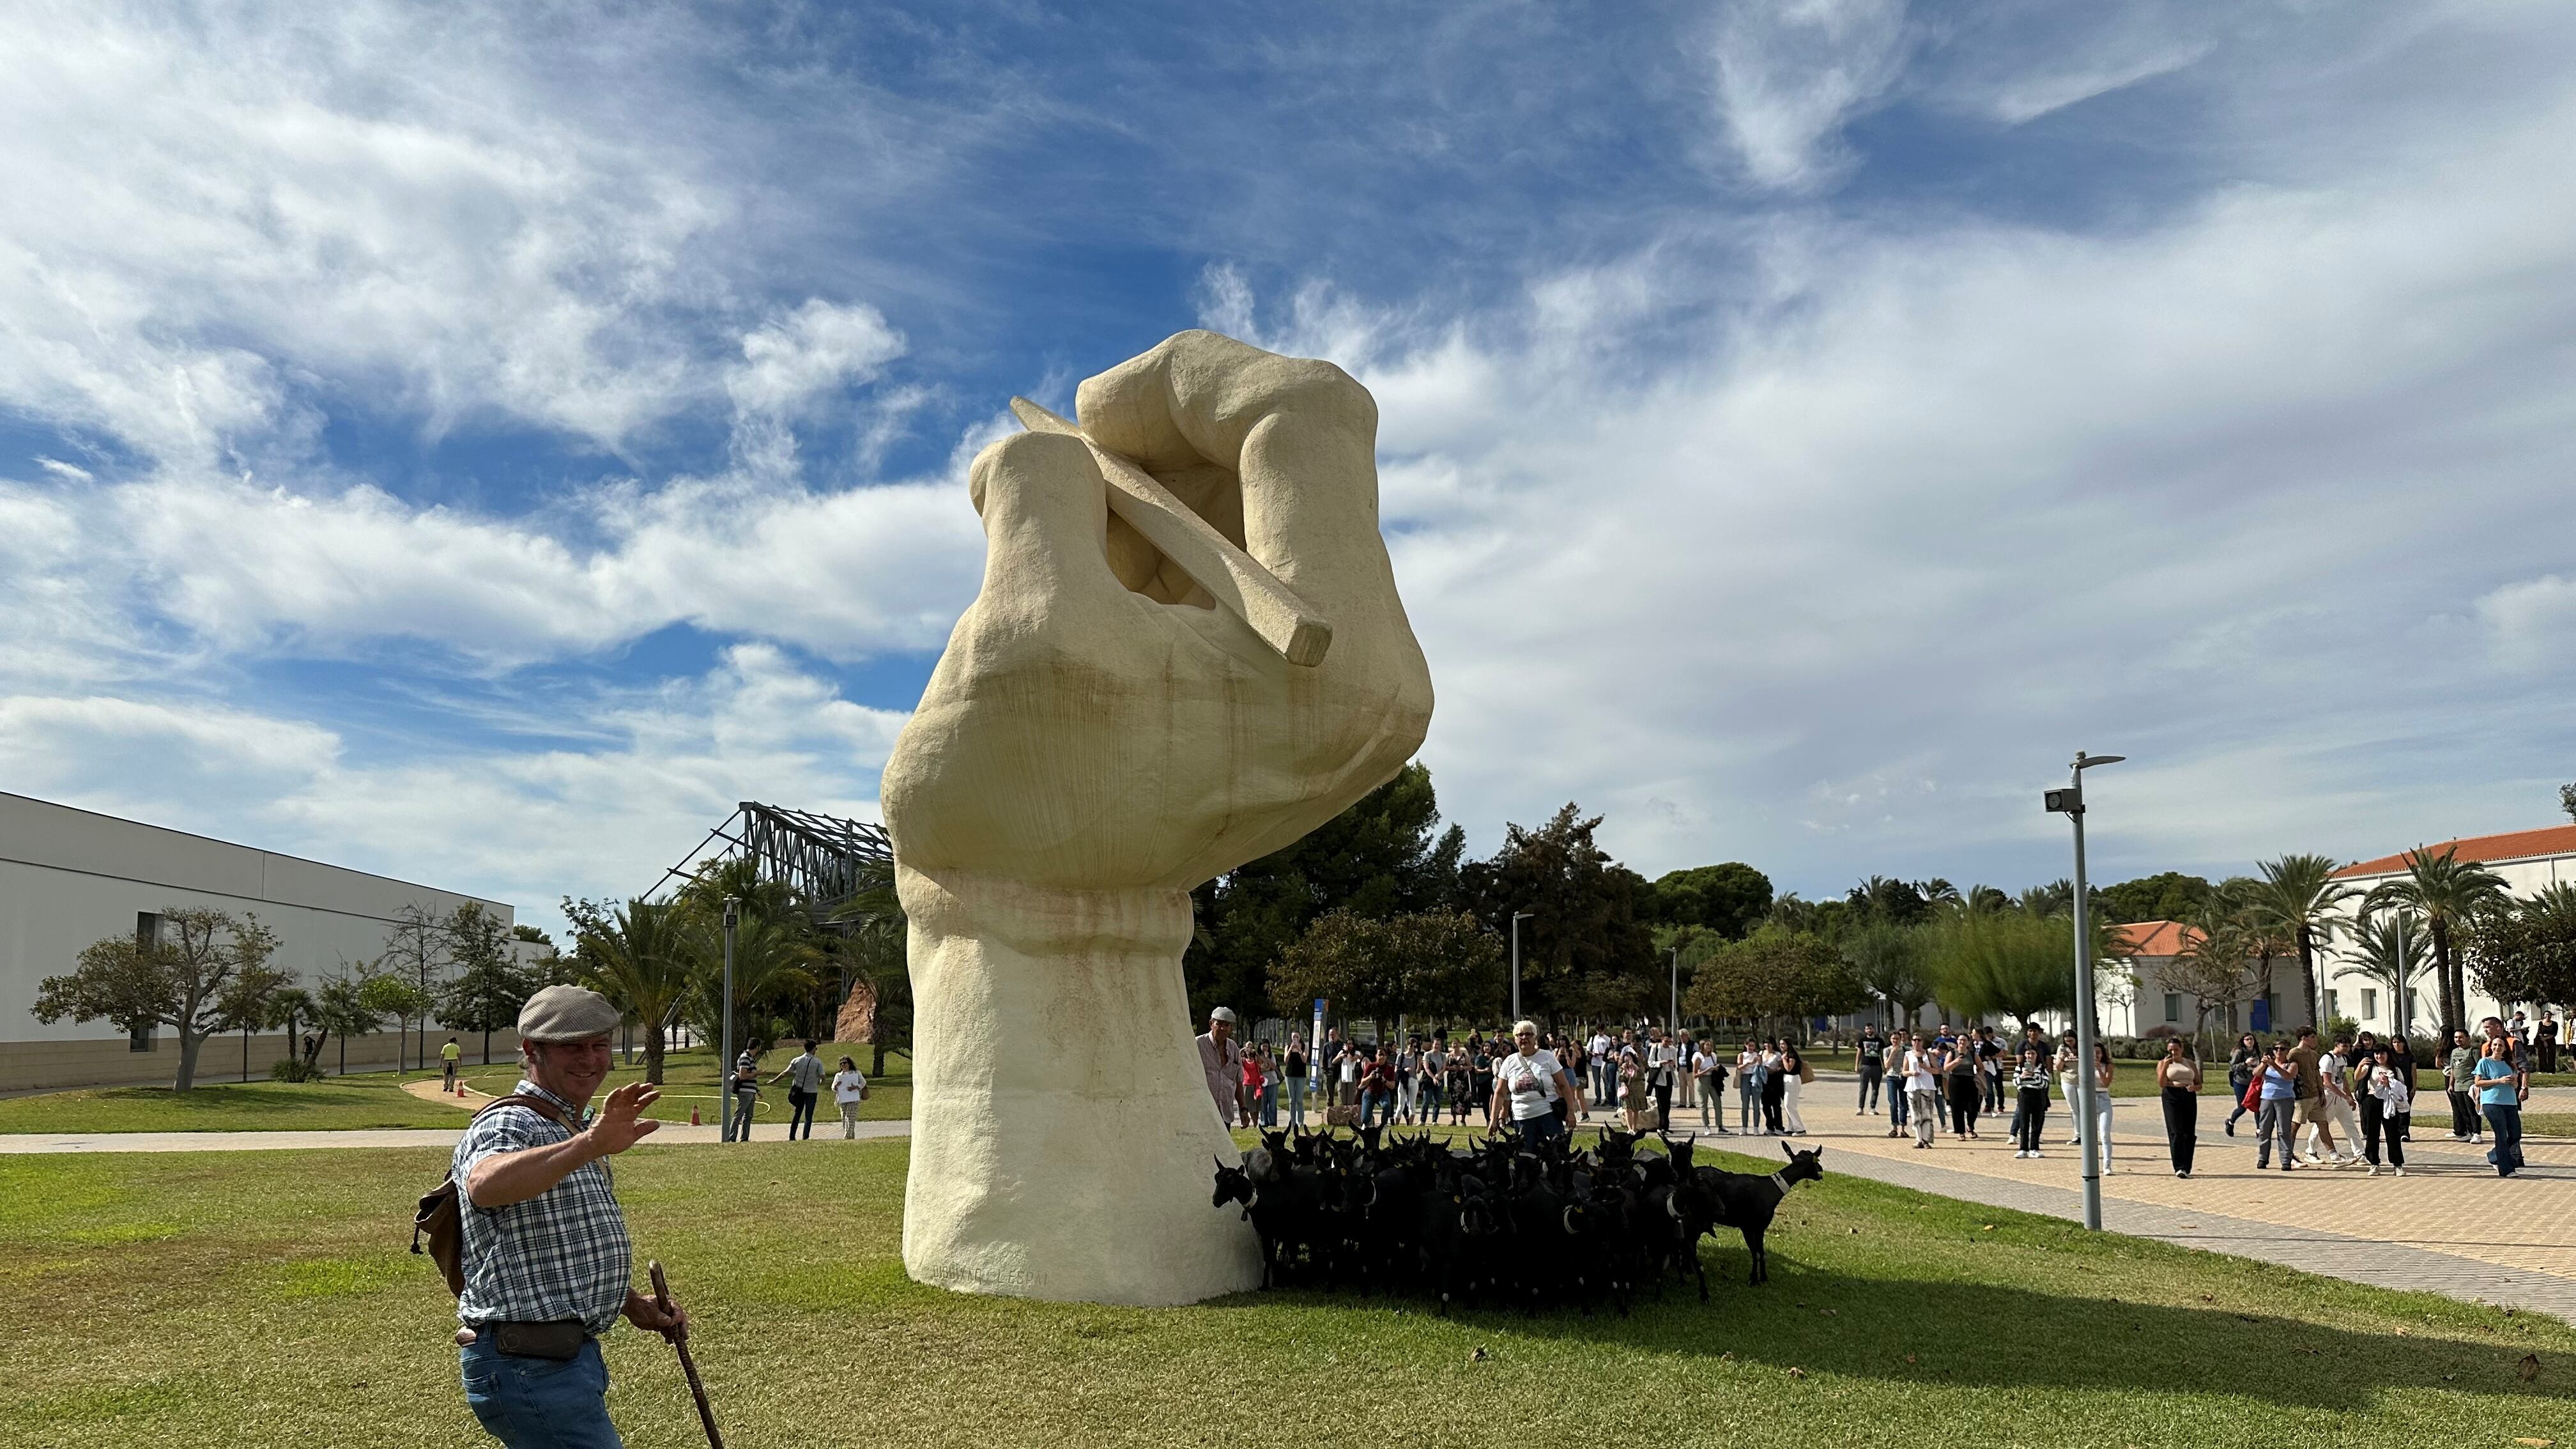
(561, 1254)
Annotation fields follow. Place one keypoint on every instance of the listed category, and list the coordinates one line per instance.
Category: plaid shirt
(561, 1254)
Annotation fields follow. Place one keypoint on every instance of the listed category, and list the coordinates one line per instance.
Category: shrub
(295, 1069)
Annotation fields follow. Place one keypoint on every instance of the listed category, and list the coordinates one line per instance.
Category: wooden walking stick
(680, 1340)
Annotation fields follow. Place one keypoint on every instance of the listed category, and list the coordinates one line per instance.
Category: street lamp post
(1673, 1017)
(724, 1050)
(1517, 918)
(2070, 803)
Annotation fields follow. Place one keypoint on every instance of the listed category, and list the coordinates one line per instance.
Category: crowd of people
(1641, 1077)
(2345, 1103)
(2342, 1104)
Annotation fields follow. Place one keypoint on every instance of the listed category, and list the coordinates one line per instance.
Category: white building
(2154, 1008)
(2528, 860)
(70, 877)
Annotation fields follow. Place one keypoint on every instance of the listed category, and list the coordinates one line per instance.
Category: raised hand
(620, 1123)
(1100, 737)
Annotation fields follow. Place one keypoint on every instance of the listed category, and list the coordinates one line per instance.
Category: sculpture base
(1064, 1140)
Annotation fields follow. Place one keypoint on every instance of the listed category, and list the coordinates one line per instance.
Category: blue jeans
(1265, 1106)
(1542, 1128)
(1382, 1103)
(539, 1403)
(1296, 1101)
(2504, 1124)
(1426, 1103)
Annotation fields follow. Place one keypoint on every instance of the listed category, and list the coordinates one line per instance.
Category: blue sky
(481, 446)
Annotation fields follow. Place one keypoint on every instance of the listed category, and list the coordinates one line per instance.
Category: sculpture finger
(1301, 435)
(1045, 511)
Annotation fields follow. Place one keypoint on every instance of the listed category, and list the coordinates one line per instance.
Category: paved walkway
(2518, 1245)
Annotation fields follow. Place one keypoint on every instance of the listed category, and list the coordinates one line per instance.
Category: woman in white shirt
(2385, 1102)
(849, 1089)
(1922, 1091)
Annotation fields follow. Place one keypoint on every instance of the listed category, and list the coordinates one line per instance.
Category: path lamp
(2070, 803)
(724, 1058)
(1517, 918)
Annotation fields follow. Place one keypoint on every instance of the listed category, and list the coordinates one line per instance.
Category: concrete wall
(70, 877)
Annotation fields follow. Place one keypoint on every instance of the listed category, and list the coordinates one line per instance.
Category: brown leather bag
(441, 1222)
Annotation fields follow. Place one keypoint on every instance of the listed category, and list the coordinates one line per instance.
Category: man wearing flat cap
(1222, 1060)
(547, 1265)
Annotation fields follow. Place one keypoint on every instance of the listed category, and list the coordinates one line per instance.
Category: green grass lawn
(375, 1099)
(265, 1299)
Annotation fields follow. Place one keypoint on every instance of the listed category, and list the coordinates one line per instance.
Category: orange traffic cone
(693, 1116)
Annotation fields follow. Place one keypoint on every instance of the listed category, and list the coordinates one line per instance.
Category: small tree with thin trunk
(248, 1004)
(177, 979)
(341, 1011)
(489, 987)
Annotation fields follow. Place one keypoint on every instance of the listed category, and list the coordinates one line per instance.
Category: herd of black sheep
(1497, 1222)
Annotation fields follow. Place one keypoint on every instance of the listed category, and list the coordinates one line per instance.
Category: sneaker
(2231, 1129)
(2286, 1164)
(2374, 1170)
(2401, 1172)
(2182, 1174)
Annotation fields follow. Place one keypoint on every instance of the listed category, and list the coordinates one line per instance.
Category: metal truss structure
(825, 859)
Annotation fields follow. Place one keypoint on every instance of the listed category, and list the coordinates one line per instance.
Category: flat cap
(1222, 1013)
(566, 1013)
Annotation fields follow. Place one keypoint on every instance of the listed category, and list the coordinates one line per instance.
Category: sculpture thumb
(1045, 510)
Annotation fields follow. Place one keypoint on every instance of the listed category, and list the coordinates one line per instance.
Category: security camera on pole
(2070, 803)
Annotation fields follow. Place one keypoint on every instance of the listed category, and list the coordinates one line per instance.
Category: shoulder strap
(538, 1105)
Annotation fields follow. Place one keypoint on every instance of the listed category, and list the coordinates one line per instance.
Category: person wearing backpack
(544, 1262)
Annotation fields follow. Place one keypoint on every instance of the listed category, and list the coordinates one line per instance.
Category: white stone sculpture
(1188, 652)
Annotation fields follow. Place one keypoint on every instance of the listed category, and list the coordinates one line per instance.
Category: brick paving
(2449, 1226)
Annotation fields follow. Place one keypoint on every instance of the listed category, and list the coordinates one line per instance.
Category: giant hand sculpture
(1101, 735)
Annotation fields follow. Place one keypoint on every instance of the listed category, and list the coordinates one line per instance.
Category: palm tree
(874, 948)
(2392, 950)
(773, 956)
(1889, 959)
(637, 956)
(2297, 897)
(2446, 891)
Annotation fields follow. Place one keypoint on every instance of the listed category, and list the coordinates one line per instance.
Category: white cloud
(2029, 96)
(1974, 495)
(208, 214)
(791, 361)
(247, 569)
(514, 824)
(1790, 73)
(2532, 621)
